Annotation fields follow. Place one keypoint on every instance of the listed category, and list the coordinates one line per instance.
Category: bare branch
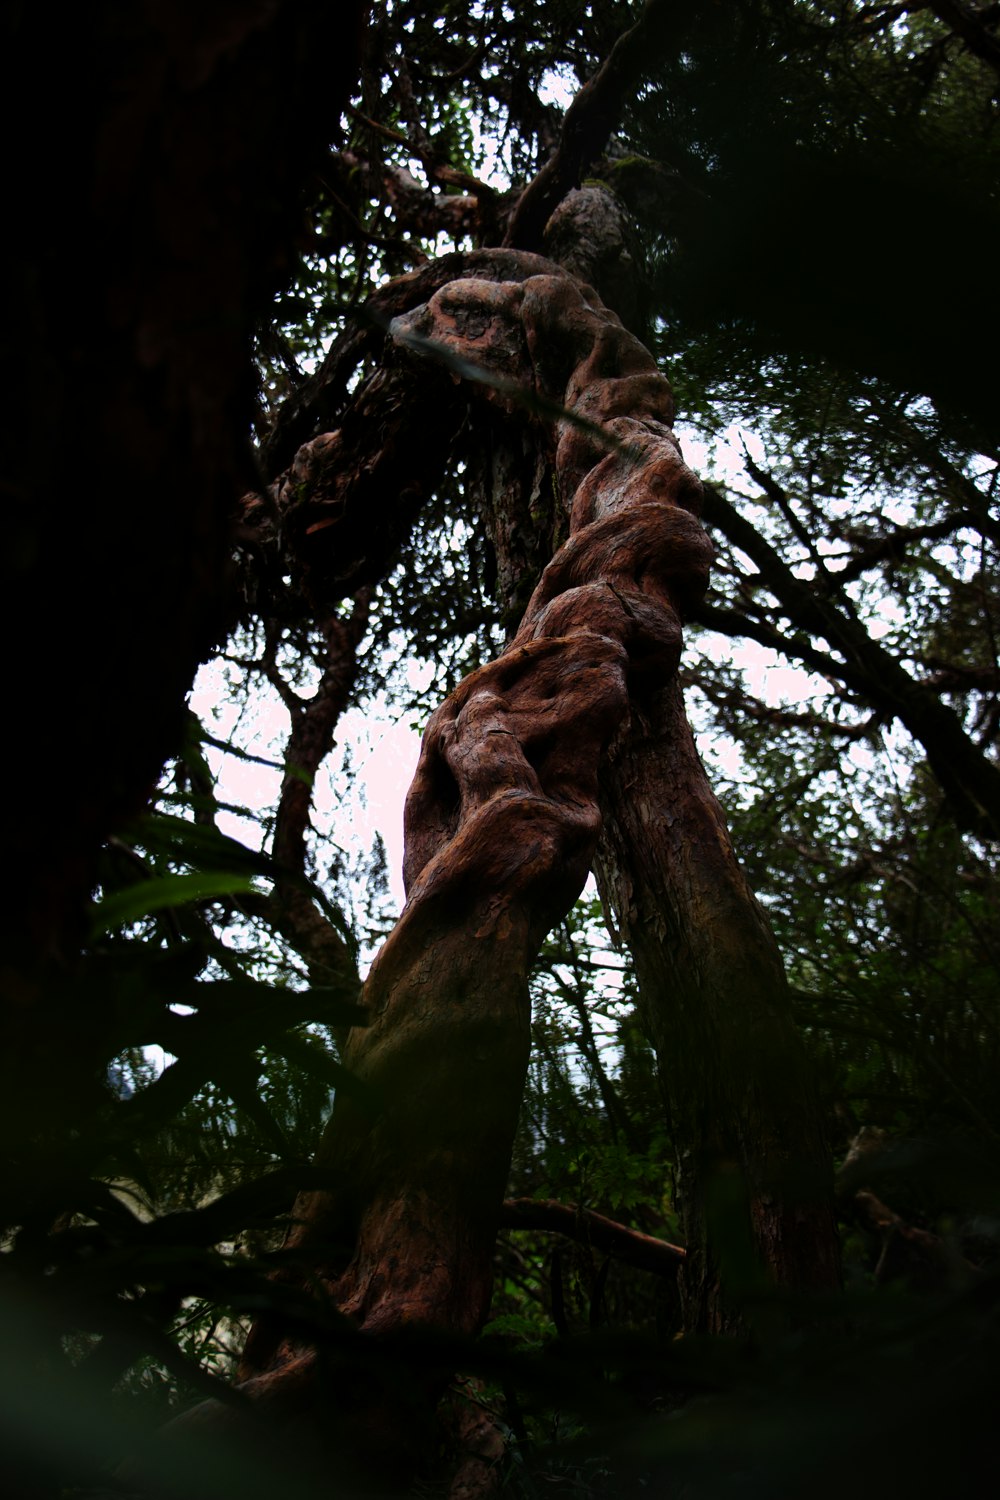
(585, 1226)
(329, 957)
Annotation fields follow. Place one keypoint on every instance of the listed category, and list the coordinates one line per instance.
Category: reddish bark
(908, 1253)
(737, 1086)
(502, 818)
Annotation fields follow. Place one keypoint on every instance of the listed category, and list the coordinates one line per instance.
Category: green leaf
(122, 907)
(198, 844)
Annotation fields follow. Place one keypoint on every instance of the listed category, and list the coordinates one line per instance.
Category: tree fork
(502, 819)
(502, 823)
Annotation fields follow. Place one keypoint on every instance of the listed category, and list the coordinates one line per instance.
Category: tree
(511, 762)
(500, 358)
(125, 355)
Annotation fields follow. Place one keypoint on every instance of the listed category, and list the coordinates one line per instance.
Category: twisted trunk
(502, 827)
(502, 820)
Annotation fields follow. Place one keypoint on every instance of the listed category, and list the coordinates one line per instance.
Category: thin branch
(383, 130)
(644, 1251)
(892, 547)
(735, 700)
(311, 739)
(969, 779)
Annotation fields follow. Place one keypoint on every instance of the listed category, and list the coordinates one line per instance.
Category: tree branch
(644, 1251)
(970, 781)
(592, 116)
(737, 623)
(892, 548)
(313, 724)
(965, 23)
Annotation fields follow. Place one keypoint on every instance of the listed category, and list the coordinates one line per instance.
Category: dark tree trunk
(162, 150)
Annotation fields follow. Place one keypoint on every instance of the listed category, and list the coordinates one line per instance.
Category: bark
(127, 351)
(752, 1153)
(475, 1438)
(314, 721)
(925, 1261)
(593, 115)
(502, 822)
(715, 999)
(336, 516)
(150, 239)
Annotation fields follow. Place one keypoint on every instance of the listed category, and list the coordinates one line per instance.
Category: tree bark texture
(503, 816)
(742, 1111)
(188, 133)
(745, 1117)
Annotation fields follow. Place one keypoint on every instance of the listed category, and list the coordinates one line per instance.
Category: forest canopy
(366, 386)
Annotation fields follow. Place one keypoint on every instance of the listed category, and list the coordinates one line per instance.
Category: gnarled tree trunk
(503, 821)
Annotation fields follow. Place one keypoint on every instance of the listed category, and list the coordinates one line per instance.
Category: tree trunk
(502, 823)
(127, 359)
(743, 1114)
